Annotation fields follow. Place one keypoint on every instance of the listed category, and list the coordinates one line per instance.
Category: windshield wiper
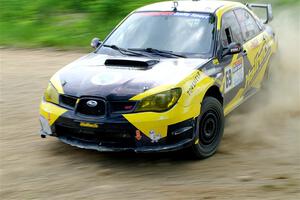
(124, 51)
(159, 52)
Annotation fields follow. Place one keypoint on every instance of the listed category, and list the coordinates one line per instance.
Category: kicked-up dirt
(258, 158)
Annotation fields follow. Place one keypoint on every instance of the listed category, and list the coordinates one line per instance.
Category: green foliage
(62, 23)
(67, 23)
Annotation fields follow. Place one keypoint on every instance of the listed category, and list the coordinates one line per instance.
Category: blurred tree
(66, 23)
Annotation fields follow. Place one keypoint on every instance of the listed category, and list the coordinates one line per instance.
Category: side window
(248, 24)
(230, 31)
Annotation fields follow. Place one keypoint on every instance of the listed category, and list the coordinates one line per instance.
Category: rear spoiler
(267, 7)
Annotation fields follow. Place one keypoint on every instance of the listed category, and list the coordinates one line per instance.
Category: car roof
(207, 6)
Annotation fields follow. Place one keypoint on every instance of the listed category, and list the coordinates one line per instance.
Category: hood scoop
(139, 64)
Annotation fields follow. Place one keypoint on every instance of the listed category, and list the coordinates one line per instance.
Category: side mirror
(95, 43)
(233, 48)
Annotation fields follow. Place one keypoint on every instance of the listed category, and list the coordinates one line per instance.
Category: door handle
(244, 53)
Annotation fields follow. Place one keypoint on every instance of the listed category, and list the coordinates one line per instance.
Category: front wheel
(209, 128)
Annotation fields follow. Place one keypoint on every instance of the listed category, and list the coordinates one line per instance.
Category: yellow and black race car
(163, 80)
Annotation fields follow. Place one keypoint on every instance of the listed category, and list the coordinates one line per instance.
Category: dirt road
(258, 158)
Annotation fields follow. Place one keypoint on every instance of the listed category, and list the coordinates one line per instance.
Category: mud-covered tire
(209, 128)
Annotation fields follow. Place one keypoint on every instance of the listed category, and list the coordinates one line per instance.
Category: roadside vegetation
(66, 24)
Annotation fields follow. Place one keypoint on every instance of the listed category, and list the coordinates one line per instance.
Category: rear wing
(267, 7)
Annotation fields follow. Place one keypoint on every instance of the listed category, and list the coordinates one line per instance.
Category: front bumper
(115, 134)
(142, 146)
(144, 149)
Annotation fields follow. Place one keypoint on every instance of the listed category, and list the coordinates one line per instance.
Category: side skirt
(247, 96)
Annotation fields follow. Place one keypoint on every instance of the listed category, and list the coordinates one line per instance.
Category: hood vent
(143, 64)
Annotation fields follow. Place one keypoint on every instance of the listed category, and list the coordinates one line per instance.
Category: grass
(65, 24)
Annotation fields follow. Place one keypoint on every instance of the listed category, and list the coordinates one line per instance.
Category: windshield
(189, 34)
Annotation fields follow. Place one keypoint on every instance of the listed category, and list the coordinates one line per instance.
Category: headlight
(51, 94)
(159, 102)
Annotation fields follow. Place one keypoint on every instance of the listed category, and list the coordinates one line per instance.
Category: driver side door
(234, 67)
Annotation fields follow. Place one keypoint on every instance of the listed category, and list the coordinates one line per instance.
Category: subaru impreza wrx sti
(163, 80)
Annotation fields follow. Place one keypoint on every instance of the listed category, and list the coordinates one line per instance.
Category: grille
(109, 138)
(121, 107)
(84, 109)
(68, 101)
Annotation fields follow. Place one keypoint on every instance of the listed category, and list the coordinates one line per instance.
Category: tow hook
(43, 136)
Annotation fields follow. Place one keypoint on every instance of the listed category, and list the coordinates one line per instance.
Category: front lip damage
(145, 149)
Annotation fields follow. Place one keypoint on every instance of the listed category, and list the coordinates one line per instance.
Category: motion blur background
(258, 157)
(68, 23)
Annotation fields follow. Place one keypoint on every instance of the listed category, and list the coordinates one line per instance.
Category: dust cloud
(272, 117)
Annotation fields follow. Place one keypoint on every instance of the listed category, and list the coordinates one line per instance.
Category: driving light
(51, 94)
(159, 102)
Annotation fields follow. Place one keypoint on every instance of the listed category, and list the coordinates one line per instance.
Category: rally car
(163, 80)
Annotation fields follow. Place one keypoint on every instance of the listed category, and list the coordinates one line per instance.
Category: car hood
(90, 76)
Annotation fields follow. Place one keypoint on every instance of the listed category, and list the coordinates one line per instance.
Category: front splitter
(145, 149)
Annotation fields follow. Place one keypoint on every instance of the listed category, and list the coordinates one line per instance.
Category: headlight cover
(51, 94)
(159, 102)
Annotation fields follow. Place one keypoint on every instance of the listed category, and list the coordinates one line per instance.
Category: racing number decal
(234, 75)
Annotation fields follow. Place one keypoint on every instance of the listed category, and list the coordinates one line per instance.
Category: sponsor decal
(235, 50)
(260, 60)
(194, 83)
(138, 135)
(155, 137)
(234, 75)
(179, 14)
(192, 15)
(106, 78)
(88, 125)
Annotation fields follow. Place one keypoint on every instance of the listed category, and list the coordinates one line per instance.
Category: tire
(209, 128)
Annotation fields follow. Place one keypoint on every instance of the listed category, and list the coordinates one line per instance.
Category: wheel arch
(214, 91)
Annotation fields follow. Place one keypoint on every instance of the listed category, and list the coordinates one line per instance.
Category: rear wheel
(209, 128)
